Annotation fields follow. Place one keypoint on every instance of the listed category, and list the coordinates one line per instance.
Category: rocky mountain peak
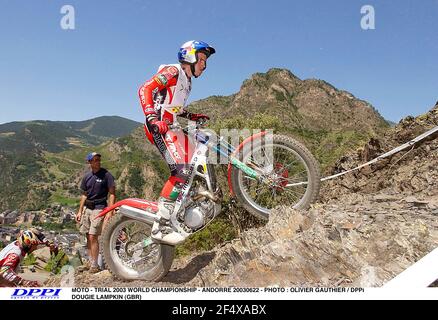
(278, 82)
(312, 104)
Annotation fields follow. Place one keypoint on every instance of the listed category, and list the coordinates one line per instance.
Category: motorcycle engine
(198, 213)
(197, 216)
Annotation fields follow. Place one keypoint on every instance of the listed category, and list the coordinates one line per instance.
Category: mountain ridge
(315, 102)
(25, 149)
(53, 135)
(275, 100)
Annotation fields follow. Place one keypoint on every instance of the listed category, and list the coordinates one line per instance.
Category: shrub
(29, 260)
(219, 231)
(56, 262)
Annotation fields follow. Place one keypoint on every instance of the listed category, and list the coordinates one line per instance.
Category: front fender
(236, 152)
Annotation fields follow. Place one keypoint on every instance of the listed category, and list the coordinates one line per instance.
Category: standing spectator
(95, 186)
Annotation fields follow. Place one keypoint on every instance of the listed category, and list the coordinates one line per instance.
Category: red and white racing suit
(10, 259)
(163, 98)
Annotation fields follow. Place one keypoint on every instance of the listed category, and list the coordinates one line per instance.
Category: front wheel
(129, 253)
(291, 176)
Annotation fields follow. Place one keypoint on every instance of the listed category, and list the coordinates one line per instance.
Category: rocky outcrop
(358, 240)
(368, 227)
(311, 104)
(354, 241)
(412, 171)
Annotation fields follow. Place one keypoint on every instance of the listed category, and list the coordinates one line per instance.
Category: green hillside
(42, 161)
(32, 160)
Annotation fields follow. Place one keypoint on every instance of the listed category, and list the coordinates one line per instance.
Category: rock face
(357, 240)
(353, 241)
(412, 171)
(367, 228)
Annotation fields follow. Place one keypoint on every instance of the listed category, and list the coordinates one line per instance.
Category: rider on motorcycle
(11, 256)
(163, 98)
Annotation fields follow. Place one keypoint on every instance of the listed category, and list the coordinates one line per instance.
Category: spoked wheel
(291, 176)
(129, 252)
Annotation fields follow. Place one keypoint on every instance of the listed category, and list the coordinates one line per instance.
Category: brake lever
(201, 122)
(174, 127)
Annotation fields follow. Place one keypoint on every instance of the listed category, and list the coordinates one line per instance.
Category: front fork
(234, 161)
(250, 172)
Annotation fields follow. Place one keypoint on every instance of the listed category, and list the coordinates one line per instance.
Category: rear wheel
(129, 253)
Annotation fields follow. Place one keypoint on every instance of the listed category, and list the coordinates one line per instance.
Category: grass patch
(64, 201)
(29, 260)
(218, 232)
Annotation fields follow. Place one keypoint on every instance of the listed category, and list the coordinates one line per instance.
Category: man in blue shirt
(95, 186)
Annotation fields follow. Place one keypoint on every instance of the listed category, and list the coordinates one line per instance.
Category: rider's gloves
(53, 247)
(161, 125)
(198, 116)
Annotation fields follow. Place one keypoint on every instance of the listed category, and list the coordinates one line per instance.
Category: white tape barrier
(420, 275)
(424, 272)
(381, 157)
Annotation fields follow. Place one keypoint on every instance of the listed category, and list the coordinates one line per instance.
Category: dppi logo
(36, 294)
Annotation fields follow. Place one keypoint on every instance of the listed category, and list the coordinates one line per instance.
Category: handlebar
(176, 126)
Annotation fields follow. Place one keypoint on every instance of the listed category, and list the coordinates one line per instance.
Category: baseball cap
(91, 155)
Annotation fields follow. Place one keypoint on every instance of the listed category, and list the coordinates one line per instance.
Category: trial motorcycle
(265, 170)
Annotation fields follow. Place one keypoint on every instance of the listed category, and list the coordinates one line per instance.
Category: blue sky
(50, 73)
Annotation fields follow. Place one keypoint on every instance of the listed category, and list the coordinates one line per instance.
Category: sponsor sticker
(161, 79)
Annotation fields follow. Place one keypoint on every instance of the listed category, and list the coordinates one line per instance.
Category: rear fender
(132, 202)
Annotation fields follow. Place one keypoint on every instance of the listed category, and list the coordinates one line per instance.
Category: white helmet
(188, 53)
(27, 239)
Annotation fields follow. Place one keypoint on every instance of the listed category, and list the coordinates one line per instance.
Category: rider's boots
(163, 231)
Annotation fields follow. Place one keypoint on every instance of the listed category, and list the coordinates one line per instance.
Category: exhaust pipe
(138, 214)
